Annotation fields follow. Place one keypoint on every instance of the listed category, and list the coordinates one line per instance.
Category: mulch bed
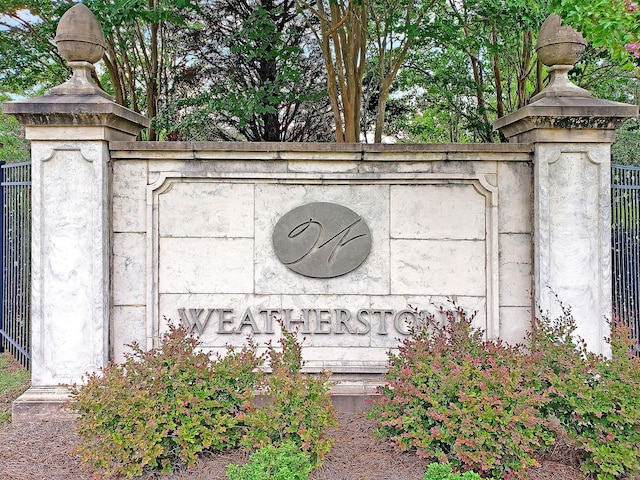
(40, 451)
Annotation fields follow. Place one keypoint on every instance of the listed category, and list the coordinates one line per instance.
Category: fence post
(572, 135)
(70, 130)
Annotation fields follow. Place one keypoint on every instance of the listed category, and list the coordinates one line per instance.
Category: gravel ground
(40, 451)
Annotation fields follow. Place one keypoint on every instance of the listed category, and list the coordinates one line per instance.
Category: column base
(42, 404)
(39, 404)
(355, 395)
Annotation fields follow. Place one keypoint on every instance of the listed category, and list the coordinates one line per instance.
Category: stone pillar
(572, 135)
(70, 131)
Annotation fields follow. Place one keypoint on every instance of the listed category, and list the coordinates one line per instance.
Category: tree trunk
(479, 81)
(152, 85)
(525, 63)
(114, 75)
(497, 74)
(343, 38)
(385, 85)
(380, 112)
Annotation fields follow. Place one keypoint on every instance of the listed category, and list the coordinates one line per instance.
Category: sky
(23, 14)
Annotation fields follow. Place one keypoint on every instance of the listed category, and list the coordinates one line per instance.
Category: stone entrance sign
(373, 247)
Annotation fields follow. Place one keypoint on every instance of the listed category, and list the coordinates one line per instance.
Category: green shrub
(596, 399)
(298, 406)
(286, 462)
(443, 471)
(453, 397)
(161, 408)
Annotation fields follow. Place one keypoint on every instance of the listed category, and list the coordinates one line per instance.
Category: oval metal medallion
(322, 240)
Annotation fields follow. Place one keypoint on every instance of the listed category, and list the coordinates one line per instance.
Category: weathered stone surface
(129, 327)
(216, 267)
(202, 265)
(40, 404)
(209, 210)
(560, 48)
(573, 246)
(452, 211)
(81, 42)
(192, 242)
(572, 228)
(92, 116)
(515, 192)
(450, 267)
(129, 268)
(514, 323)
(566, 119)
(517, 266)
(71, 230)
(129, 197)
(79, 36)
(70, 261)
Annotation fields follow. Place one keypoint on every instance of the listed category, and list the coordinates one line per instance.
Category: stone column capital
(76, 117)
(566, 119)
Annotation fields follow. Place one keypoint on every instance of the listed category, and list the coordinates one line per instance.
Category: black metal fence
(625, 243)
(15, 287)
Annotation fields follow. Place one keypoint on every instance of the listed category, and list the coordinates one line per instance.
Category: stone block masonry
(204, 253)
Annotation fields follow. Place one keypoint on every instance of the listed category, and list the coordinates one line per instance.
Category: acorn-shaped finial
(81, 42)
(559, 45)
(79, 36)
(560, 48)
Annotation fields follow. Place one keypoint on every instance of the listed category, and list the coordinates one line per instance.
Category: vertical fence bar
(2, 256)
(15, 278)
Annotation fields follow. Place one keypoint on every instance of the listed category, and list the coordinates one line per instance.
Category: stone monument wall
(193, 241)
(347, 243)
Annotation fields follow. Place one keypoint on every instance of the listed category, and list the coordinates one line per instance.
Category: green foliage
(596, 399)
(286, 462)
(298, 406)
(626, 149)
(13, 381)
(256, 77)
(608, 24)
(30, 63)
(443, 471)
(253, 70)
(160, 409)
(115, 14)
(453, 397)
(163, 407)
(476, 63)
(13, 146)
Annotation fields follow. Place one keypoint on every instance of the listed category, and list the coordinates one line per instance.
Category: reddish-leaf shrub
(596, 399)
(298, 406)
(163, 407)
(453, 397)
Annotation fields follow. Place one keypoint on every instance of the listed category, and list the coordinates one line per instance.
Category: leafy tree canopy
(29, 61)
(613, 25)
(419, 70)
